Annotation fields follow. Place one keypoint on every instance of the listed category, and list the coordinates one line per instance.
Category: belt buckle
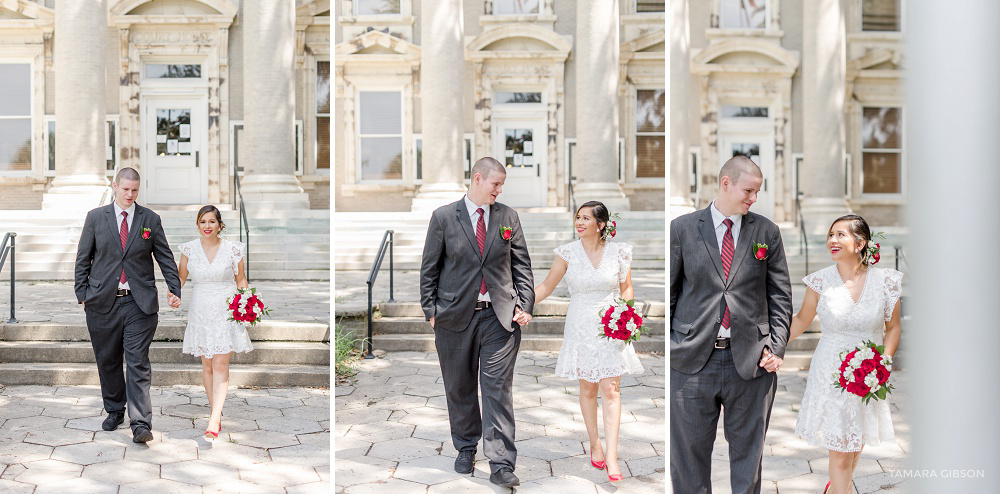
(720, 346)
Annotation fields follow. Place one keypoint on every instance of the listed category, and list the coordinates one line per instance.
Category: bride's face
(208, 225)
(586, 224)
(841, 243)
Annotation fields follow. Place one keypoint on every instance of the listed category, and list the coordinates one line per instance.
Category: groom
(115, 284)
(476, 289)
(730, 314)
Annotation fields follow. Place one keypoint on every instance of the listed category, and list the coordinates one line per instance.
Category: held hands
(769, 361)
(521, 317)
(173, 300)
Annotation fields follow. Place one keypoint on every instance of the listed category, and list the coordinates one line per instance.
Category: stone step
(264, 353)
(425, 343)
(166, 331)
(63, 374)
(547, 308)
(539, 262)
(545, 325)
(255, 274)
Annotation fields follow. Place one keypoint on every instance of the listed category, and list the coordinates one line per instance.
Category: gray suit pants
(124, 330)
(695, 401)
(484, 352)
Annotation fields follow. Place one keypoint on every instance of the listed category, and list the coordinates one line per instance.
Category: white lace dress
(209, 331)
(584, 354)
(837, 420)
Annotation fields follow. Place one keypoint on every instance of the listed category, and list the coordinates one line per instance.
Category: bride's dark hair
(211, 209)
(860, 230)
(601, 214)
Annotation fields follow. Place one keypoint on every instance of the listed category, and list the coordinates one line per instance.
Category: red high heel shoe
(616, 477)
(827, 486)
(212, 436)
(597, 464)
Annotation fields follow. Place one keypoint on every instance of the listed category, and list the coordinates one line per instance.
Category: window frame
(316, 116)
(635, 135)
(30, 117)
(358, 137)
(635, 9)
(469, 138)
(901, 16)
(541, 10)
(233, 123)
(354, 10)
(768, 16)
(901, 150)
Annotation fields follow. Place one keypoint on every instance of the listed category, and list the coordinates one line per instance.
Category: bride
(597, 271)
(216, 269)
(856, 302)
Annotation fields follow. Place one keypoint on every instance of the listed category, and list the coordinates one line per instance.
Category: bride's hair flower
(874, 248)
(611, 227)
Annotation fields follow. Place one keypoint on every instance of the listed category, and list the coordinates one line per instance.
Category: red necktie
(123, 233)
(727, 260)
(481, 240)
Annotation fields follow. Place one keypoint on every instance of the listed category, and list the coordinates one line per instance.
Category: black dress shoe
(464, 462)
(113, 421)
(504, 478)
(142, 435)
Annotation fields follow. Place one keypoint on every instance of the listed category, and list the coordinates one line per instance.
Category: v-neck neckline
(863, 288)
(205, 253)
(600, 263)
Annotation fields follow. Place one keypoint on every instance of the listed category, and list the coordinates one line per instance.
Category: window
(881, 150)
(880, 15)
(172, 71)
(110, 144)
(323, 115)
(743, 14)
(502, 7)
(571, 152)
(650, 133)
(376, 7)
(509, 97)
(729, 111)
(15, 117)
(642, 6)
(418, 156)
(380, 135)
(236, 132)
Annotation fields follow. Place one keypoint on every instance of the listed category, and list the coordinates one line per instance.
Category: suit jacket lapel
(707, 227)
(462, 216)
(115, 227)
(748, 231)
(491, 229)
(133, 231)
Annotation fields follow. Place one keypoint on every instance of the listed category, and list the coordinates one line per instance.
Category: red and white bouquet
(621, 321)
(246, 307)
(865, 371)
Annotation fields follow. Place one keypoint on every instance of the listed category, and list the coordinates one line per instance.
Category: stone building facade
(181, 90)
(812, 91)
(570, 95)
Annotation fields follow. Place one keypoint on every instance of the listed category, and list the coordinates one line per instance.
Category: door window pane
(743, 14)
(882, 150)
(649, 6)
(173, 132)
(501, 7)
(880, 15)
(172, 71)
(376, 7)
(380, 130)
(519, 148)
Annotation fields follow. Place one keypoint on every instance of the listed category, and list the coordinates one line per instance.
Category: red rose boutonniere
(505, 232)
(146, 233)
(760, 251)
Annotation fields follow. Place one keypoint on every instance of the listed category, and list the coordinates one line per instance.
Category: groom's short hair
(486, 167)
(736, 166)
(127, 173)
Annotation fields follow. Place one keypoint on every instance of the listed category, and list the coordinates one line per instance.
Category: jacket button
(718, 320)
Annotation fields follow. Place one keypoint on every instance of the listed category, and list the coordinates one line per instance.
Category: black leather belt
(480, 305)
(721, 343)
(123, 292)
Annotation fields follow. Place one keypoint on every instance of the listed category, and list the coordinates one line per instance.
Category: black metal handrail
(803, 238)
(244, 222)
(372, 275)
(4, 249)
(572, 195)
(900, 254)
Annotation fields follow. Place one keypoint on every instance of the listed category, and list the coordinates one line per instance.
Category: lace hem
(892, 287)
(563, 251)
(625, 261)
(185, 249)
(595, 375)
(211, 352)
(817, 439)
(815, 281)
(236, 249)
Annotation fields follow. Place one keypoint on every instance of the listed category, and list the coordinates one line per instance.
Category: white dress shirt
(118, 222)
(720, 231)
(474, 217)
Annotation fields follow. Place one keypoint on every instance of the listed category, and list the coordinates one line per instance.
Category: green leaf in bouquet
(630, 302)
(880, 349)
(881, 393)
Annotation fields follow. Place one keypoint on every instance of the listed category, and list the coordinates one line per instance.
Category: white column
(680, 76)
(596, 155)
(824, 68)
(80, 53)
(442, 71)
(267, 149)
(951, 342)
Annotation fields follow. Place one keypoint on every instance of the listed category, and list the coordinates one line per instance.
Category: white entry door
(173, 161)
(520, 144)
(758, 145)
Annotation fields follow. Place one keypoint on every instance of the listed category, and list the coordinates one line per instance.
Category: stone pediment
(377, 43)
(315, 8)
(23, 10)
(518, 41)
(877, 59)
(654, 42)
(744, 55)
(173, 11)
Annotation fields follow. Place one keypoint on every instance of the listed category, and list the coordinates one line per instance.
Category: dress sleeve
(892, 288)
(237, 255)
(624, 261)
(185, 249)
(563, 251)
(815, 281)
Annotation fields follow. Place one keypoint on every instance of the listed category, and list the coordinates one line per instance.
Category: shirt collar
(471, 206)
(118, 209)
(718, 217)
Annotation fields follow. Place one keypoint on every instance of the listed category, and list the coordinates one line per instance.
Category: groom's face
(126, 192)
(737, 197)
(490, 187)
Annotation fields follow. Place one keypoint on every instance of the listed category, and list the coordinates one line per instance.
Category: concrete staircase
(285, 354)
(284, 245)
(357, 237)
(401, 327)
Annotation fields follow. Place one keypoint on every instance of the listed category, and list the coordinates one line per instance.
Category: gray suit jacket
(100, 259)
(451, 267)
(758, 293)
